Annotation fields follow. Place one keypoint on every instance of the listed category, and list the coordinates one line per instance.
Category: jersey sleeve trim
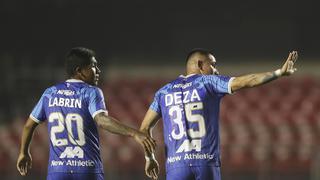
(229, 85)
(99, 111)
(35, 119)
(153, 108)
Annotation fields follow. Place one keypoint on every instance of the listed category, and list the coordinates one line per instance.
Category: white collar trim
(187, 75)
(74, 80)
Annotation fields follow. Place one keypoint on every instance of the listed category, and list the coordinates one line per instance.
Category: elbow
(98, 122)
(30, 125)
(144, 130)
(27, 126)
(251, 83)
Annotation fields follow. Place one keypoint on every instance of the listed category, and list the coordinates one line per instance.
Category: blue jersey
(69, 108)
(189, 107)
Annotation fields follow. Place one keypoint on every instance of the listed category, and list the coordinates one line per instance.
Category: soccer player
(189, 107)
(74, 109)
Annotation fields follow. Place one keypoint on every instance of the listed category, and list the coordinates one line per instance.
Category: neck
(76, 77)
(192, 72)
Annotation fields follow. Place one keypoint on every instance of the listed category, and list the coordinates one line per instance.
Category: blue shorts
(194, 173)
(75, 176)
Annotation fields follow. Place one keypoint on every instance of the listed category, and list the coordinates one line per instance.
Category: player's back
(69, 108)
(189, 107)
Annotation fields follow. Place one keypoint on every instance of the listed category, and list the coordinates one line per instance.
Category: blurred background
(267, 133)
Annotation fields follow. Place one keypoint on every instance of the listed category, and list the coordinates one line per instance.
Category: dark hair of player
(197, 51)
(77, 57)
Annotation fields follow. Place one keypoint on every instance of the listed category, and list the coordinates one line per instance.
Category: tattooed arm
(252, 80)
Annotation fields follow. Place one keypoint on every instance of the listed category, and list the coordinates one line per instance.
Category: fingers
(290, 67)
(152, 169)
(22, 169)
(157, 169)
(152, 174)
(152, 143)
(285, 65)
(155, 173)
(30, 165)
(290, 56)
(149, 144)
(148, 173)
(147, 147)
(25, 169)
(294, 56)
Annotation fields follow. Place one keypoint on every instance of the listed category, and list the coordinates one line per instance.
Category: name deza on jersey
(182, 97)
(65, 102)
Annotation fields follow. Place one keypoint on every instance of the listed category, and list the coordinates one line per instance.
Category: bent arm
(253, 80)
(27, 135)
(150, 120)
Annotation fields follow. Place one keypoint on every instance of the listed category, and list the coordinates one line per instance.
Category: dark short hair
(77, 57)
(197, 50)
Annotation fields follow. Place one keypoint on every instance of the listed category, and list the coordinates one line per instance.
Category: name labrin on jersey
(182, 97)
(65, 102)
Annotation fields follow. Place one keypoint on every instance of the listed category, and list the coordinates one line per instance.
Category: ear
(200, 64)
(79, 72)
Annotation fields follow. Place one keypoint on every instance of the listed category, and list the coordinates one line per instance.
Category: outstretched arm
(150, 120)
(252, 80)
(114, 126)
(24, 161)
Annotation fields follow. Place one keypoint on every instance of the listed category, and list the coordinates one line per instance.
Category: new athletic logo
(188, 146)
(72, 152)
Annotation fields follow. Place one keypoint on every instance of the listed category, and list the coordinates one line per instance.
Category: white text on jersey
(182, 97)
(66, 92)
(65, 102)
(183, 86)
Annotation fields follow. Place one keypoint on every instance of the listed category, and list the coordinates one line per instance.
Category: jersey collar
(183, 76)
(74, 80)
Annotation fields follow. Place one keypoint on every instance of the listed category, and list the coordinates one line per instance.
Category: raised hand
(24, 163)
(288, 67)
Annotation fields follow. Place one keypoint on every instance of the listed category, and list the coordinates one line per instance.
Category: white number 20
(192, 118)
(60, 127)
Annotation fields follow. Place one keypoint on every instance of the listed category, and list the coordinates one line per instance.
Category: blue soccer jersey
(69, 108)
(189, 107)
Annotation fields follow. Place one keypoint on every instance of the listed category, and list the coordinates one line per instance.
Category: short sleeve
(96, 102)
(38, 113)
(219, 84)
(155, 105)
